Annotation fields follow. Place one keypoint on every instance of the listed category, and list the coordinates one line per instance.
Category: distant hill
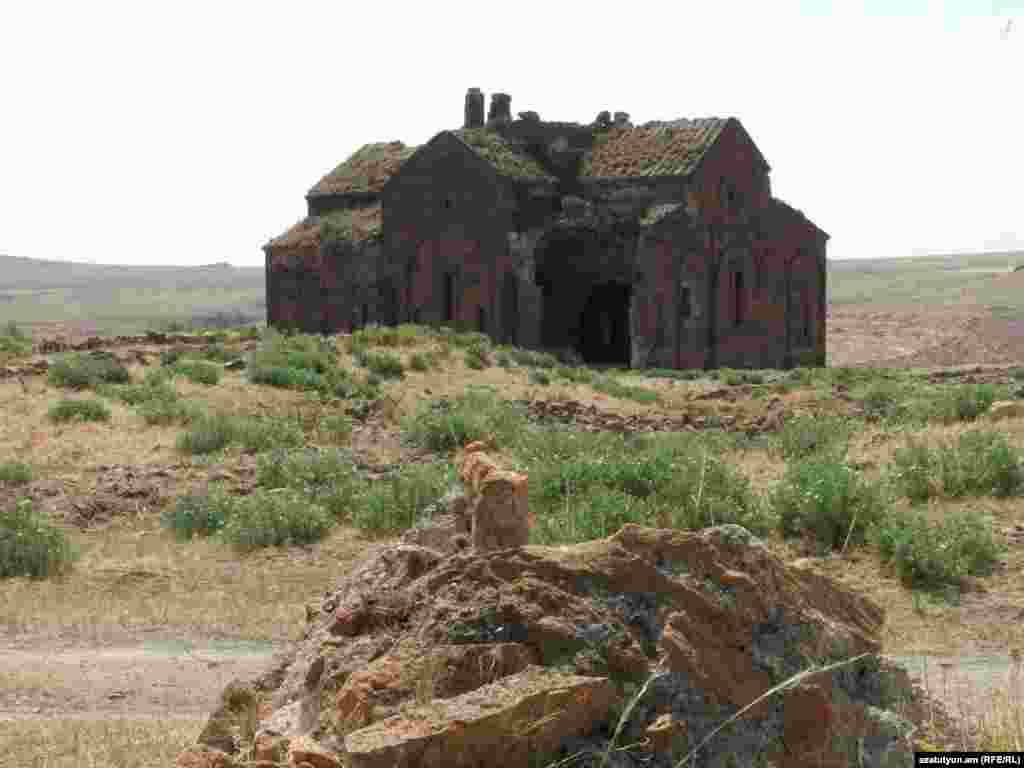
(110, 298)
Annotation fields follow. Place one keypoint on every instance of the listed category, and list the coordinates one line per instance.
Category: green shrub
(386, 365)
(165, 411)
(13, 341)
(575, 375)
(915, 472)
(529, 358)
(670, 373)
(979, 463)
(671, 481)
(881, 401)
(136, 394)
(932, 556)
(217, 353)
(79, 410)
(15, 473)
(274, 518)
(828, 498)
(335, 428)
(209, 433)
(446, 425)
(477, 358)
(422, 361)
(963, 403)
(540, 378)
(263, 433)
(326, 477)
(77, 371)
(503, 360)
(199, 372)
(805, 436)
(593, 517)
(32, 546)
(470, 339)
(615, 388)
(198, 514)
(399, 501)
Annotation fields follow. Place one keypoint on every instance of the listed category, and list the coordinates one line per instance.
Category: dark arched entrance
(604, 325)
(586, 298)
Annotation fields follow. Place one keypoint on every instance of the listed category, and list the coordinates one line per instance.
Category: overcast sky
(189, 132)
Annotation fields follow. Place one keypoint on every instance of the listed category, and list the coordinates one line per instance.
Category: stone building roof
(366, 170)
(355, 224)
(671, 148)
(502, 154)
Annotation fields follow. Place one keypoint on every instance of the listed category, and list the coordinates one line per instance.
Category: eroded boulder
(424, 653)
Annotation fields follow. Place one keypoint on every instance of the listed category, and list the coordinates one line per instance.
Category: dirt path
(161, 678)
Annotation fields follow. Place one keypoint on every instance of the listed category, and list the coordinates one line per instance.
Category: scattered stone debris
(430, 654)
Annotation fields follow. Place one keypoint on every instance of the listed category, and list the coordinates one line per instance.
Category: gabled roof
(367, 170)
(503, 155)
(671, 148)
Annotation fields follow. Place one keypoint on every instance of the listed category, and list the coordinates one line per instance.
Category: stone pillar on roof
(474, 109)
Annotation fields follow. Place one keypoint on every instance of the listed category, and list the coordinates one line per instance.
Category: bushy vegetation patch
(931, 556)
(881, 401)
(583, 485)
(404, 335)
(169, 410)
(690, 374)
(477, 357)
(529, 358)
(79, 410)
(208, 434)
(13, 341)
(979, 463)
(199, 372)
(827, 497)
(335, 428)
(15, 473)
(78, 371)
(422, 361)
(400, 501)
(805, 436)
(386, 365)
(136, 394)
(264, 433)
(576, 375)
(445, 425)
(326, 477)
(539, 377)
(615, 388)
(198, 514)
(274, 518)
(30, 545)
(965, 402)
(299, 362)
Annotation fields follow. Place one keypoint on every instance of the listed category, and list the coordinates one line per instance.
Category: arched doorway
(586, 297)
(604, 325)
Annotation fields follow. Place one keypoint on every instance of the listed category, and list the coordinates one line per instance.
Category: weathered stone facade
(651, 246)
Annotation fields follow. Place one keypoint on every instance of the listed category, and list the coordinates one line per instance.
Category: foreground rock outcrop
(441, 656)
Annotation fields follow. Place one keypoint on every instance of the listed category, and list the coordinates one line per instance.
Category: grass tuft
(15, 473)
(79, 410)
(32, 546)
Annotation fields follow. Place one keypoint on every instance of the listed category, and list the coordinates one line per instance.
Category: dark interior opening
(449, 297)
(583, 310)
(604, 326)
(738, 298)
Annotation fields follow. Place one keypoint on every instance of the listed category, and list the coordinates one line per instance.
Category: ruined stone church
(658, 245)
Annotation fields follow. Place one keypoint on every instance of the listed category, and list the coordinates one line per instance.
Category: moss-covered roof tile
(671, 148)
(366, 170)
(506, 158)
(355, 224)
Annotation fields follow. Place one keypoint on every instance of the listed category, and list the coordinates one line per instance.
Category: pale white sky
(189, 132)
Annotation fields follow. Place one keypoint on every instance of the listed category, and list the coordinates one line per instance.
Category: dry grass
(82, 743)
(136, 576)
